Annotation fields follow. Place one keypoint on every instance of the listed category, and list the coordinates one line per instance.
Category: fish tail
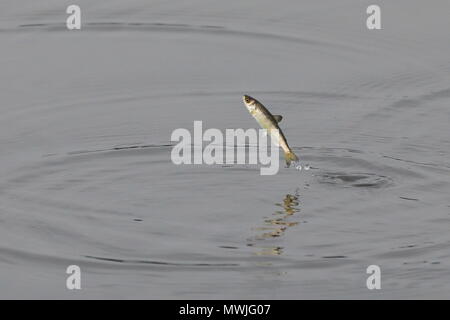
(290, 156)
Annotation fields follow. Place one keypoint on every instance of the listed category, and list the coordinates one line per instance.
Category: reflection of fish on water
(278, 223)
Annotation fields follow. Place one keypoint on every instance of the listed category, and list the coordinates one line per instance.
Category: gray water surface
(86, 176)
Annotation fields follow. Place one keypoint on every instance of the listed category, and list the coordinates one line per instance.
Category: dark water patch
(228, 247)
(411, 199)
(431, 164)
(408, 246)
(351, 178)
(418, 101)
(358, 180)
(369, 163)
(436, 95)
(185, 28)
(308, 94)
(111, 25)
(148, 146)
(33, 25)
(409, 251)
(164, 263)
(105, 24)
(213, 27)
(334, 257)
(280, 95)
(55, 165)
(329, 149)
(415, 262)
(406, 103)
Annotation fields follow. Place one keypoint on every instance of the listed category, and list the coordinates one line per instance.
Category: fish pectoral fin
(278, 118)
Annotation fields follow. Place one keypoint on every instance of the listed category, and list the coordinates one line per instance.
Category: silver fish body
(270, 122)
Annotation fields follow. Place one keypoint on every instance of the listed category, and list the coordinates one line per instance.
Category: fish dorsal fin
(278, 118)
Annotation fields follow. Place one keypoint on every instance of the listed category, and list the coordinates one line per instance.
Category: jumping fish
(270, 122)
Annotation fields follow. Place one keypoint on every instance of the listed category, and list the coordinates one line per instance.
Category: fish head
(249, 102)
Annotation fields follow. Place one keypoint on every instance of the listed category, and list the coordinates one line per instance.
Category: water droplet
(299, 167)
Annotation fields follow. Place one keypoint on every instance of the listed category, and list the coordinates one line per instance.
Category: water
(86, 176)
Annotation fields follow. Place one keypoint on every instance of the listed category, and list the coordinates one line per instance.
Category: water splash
(298, 166)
